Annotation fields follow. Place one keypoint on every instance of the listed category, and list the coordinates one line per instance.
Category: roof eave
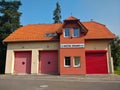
(83, 27)
(99, 38)
(31, 41)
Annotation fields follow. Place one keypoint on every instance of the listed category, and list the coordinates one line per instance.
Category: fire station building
(68, 48)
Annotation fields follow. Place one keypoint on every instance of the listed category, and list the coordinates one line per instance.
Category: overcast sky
(106, 12)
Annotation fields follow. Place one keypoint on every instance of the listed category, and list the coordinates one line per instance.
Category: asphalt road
(57, 83)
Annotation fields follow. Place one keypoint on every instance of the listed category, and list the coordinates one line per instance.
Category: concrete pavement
(70, 77)
(55, 82)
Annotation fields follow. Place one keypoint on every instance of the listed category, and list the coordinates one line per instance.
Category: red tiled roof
(37, 32)
(34, 32)
(97, 31)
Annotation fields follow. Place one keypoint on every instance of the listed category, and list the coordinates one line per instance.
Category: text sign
(72, 45)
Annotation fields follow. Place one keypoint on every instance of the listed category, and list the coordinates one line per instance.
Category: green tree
(9, 21)
(57, 14)
(115, 51)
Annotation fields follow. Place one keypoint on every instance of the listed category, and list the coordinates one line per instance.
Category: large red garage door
(48, 62)
(96, 62)
(22, 62)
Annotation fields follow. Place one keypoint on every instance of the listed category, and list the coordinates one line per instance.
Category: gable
(74, 22)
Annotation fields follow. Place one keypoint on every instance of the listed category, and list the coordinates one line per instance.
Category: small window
(76, 61)
(50, 34)
(53, 34)
(67, 62)
(76, 32)
(47, 35)
(67, 32)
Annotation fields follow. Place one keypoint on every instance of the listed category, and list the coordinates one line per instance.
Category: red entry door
(22, 62)
(48, 62)
(96, 63)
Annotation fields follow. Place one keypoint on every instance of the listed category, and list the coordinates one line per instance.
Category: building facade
(68, 48)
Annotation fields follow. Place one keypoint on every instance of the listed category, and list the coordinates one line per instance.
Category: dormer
(72, 27)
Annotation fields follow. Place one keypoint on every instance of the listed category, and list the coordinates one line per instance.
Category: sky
(106, 12)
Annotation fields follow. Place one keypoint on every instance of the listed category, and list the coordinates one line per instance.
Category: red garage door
(96, 62)
(22, 62)
(48, 62)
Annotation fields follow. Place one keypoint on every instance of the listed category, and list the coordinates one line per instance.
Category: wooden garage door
(96, 63)
(22, 62)
(48, 62)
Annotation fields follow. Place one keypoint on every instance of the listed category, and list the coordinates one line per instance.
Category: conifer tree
(9, 21)
(57, 14)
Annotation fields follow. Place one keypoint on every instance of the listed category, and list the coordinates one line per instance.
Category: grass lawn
(117, 72)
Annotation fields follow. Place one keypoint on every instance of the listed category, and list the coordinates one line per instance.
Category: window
(76, 61)
(67, 32)
(76, 32)
(67, 62)
(50, 34)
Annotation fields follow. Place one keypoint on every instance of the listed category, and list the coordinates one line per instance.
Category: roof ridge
(71, 18)
(94, 22)
(42, 24)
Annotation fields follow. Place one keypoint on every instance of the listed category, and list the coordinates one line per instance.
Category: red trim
(95, 51)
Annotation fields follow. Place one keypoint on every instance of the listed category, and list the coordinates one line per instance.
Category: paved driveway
(48, 82)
